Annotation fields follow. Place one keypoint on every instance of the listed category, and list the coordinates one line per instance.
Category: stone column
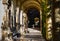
(25, 22)
(21, 12)
(11, 17)
(9, 12)
(21, 23)
(18, 15)
(18, 19)
(14, 16)
(5, 11)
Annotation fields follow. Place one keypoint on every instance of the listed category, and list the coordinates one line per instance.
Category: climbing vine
(46, 14)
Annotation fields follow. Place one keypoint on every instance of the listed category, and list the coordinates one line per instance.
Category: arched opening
(33, 18)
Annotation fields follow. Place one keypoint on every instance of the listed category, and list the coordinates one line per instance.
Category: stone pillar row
(14, 16)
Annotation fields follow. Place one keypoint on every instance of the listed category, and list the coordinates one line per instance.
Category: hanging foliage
(46, 8)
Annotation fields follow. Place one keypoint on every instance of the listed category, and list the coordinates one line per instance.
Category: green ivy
(45, 10)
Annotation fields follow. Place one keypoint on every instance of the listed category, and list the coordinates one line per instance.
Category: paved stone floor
(33, 35)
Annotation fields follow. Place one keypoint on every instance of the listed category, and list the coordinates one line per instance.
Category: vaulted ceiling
(24, 4)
